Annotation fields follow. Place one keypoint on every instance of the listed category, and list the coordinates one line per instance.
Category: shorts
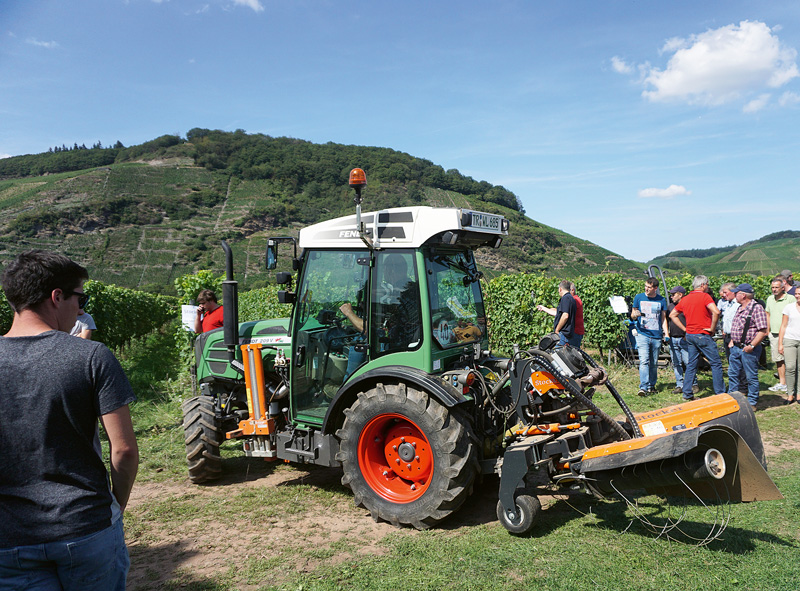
(773, 347)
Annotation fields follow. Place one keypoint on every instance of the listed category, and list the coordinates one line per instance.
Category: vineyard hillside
(141, 216)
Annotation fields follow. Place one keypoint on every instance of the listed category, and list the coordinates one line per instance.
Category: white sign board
(188, 314)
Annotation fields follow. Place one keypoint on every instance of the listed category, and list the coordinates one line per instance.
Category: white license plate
(485, 221)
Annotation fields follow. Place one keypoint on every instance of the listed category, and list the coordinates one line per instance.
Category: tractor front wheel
(407, 459)
(526, 508)
(202, 437)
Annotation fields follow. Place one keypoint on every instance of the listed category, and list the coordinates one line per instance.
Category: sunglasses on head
(83, 298)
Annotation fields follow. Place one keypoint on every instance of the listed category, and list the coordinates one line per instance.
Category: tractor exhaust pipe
(230, 309)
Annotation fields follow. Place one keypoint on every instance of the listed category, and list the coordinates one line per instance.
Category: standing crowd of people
(689, 323)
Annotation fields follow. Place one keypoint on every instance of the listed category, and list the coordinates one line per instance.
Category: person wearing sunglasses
(62, 508)
(84, 325)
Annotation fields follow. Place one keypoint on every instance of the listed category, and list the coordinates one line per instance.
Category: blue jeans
(648, 348)
(679, 351)
(697, 344)
(574, 340)
(97, 562)
(738, 361)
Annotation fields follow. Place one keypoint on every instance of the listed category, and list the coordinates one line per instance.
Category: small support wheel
(526, 508)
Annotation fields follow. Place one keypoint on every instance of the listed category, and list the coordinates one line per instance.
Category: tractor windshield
(457, 311)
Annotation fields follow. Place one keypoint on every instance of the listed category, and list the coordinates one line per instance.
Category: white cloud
(620, 65)
(668, 193)
(254, 4)
(45, 44)
(789, 98)
(721, 65)
(757, 103)
(4, 155)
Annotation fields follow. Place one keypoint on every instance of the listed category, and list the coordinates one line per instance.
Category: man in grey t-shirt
(61, 513)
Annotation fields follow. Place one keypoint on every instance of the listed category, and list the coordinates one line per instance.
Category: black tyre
(202, 437)
(527, 509)
(407, 459)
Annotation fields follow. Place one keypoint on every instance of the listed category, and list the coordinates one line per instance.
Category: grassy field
(276, 526)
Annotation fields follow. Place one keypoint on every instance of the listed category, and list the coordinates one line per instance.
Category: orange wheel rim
(395, 458)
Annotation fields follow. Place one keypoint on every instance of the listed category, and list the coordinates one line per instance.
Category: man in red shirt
(579, 328)
(701, 314)
(209, 312)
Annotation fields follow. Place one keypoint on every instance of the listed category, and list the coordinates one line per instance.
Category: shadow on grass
(166, 566)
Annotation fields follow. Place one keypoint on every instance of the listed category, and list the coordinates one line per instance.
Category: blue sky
(642, 126)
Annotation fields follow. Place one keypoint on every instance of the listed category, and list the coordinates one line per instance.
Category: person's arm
(768, 322)
(198, 320)
(712, 307)
(760, 336)
(348, 312)
(124, 452)
(546, 310)
(675, 317)
(86, 334)
(562, 322)
(664, 323)
(782, 332)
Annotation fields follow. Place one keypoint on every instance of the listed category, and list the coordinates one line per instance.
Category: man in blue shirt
(650, 313)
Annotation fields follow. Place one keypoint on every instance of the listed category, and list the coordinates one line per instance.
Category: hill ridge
(160, 208)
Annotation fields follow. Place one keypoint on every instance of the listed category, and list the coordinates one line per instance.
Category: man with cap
(678, 349)
(748, 331)
(702, 315)
(774, 308)
(791, 284)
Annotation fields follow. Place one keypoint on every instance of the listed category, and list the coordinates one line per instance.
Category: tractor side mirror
(272, 255)
(283, 278)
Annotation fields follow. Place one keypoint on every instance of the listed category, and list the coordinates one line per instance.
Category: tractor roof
(409, 227)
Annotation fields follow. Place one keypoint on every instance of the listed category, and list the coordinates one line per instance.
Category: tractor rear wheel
(202, 437)
(407, 459)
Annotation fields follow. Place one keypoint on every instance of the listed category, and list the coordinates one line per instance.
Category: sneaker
(688, 399)
(677, 390)
(778, 388)
(642, 392)
(651, 391)
(695, 389)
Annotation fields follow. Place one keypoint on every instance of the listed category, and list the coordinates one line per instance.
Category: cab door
(326, 343)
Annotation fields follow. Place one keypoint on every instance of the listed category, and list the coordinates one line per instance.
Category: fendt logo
(348, 234)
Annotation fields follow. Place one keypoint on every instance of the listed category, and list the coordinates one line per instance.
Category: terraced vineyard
(764, 257)
(142, 224)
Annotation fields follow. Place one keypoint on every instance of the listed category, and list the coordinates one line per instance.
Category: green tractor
(384, 370)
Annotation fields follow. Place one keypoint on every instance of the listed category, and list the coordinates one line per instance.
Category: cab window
(457, 311)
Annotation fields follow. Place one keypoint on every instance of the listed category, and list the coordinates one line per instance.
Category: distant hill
(143, 215)
(768, 255)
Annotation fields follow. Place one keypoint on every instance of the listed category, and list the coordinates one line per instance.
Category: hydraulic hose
(637, 432)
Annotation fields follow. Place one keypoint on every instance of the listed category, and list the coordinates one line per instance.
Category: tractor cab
(395, 288)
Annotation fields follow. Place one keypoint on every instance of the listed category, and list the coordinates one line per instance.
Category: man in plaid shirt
(745, 345)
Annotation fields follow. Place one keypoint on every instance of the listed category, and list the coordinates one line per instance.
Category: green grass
(268, 536)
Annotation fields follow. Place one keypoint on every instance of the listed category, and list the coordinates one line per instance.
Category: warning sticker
(654, 428)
